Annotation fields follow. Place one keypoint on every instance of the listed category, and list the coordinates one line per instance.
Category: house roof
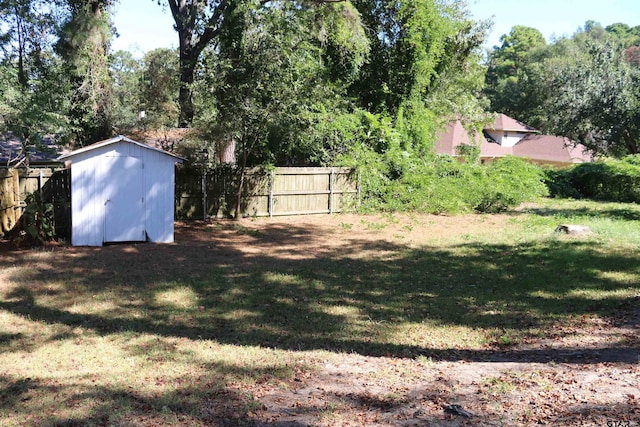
(115, 140)
(11, 150)
(551, 148)
(540, 148)
(455, 134)
(506, 123)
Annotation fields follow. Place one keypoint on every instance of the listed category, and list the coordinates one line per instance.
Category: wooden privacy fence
(282, 191)
(199, 194)
(17, 184)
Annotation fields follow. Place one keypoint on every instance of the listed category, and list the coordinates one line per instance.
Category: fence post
(332, 178)
(8, 199)
(204, 193)
(270, 196)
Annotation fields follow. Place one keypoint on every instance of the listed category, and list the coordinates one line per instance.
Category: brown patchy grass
(330, 320)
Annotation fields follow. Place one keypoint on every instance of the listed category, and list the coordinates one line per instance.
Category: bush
(509, 182)
(38, 220)
(610, 180)
(398, 181)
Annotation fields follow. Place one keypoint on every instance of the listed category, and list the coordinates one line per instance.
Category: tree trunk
(194, 34)
(188, 59)
(185, 97)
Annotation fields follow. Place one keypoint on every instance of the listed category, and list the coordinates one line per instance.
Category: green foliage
(586, 87)
(599, 98)
(423, 65)
(33, 96)
(610, 180)
(513, 74)
(125, 71)
(339, 30)
(626, 36)
(277, 82)
(159, 84)
(83, 45)
(398, 181)
(38, 219)
(510, 182)
(33, 112)
(469, 152)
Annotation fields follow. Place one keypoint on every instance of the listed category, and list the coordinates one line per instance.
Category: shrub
(38, 220)
(610, 180)
(509, 182)
(401, 182)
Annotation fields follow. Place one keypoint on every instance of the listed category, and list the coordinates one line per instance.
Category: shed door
(123, 194)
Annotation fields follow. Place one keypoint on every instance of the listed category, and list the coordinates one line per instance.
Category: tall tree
(126, 74)
(198, 23)
(84, 46)
(32, 93)
(159, 88)
(513, 74)
(626, 35)
(420, 51)
(24, 24)
(596, 100)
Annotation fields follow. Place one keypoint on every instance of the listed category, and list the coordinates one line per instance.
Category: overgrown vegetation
(440, 184)
(37, 223)
(611, 180)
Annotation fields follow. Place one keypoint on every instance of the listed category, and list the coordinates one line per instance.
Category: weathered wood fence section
(17, 184)
(9, 199)
(281, 191)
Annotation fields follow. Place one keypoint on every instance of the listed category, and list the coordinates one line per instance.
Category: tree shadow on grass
(278, 287)
(207, 402)
(624, 214)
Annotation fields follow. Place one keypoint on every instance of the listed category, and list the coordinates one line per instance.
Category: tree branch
(211, 29)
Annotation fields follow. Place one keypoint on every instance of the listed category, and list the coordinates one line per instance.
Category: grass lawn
(332, 320)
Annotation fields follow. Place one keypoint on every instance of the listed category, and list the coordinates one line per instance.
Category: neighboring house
(12, 153)
(507, 136)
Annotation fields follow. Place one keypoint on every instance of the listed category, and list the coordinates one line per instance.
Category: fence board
(8, 199)
(17, 184)
(283, 191)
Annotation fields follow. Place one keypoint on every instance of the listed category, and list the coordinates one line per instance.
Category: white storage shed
(121, 191)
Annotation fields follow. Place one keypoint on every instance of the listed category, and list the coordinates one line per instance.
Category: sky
(553, 18)
(144, 26)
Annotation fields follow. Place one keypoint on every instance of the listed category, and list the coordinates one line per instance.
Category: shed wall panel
(87, 216)
(160, 185)
(90, 178)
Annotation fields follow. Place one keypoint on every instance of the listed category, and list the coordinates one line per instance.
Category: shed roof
(115, 140)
